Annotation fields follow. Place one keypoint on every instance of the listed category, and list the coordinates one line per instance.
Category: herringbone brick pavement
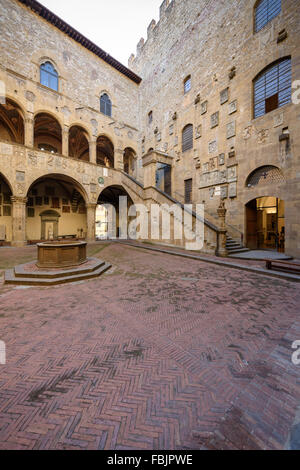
(160, 353)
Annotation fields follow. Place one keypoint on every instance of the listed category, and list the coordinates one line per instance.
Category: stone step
(91, 265)
(233, 244)
(238, 250)
(10, 278)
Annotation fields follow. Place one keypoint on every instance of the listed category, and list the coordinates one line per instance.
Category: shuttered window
(188, 188)
(187, 138)
(105, 105)
(187, 84)
(265, 11)
(273, 88)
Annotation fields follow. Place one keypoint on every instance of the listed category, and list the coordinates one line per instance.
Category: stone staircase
(234, 246)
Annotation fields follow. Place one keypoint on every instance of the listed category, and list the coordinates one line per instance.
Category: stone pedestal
(91, 222)
(222, 250)
(18, 221)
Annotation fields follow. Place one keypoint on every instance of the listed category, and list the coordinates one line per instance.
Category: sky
(114, 25)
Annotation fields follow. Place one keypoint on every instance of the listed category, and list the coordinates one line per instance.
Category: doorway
(265, 224)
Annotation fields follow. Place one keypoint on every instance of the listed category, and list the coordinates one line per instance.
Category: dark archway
(129, 159)
(62, 201)
(79, 143)
(11, 123)
(47, 133)
(106, 224)
(105, 152)
(265, 224)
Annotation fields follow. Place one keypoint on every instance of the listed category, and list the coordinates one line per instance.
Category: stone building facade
(178, 125)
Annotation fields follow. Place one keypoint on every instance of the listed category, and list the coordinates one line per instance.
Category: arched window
(265, 11)
(187, 138)
(49, 76)
(268, 174)
(187, 84)
(273, 87)
(105, 105)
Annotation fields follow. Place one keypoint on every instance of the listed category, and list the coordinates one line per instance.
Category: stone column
(119, 159)
(222, 250)
(65, 141)
(29, 131)
(18, 220)
(93, 150)
(91, 222)
(149, 166)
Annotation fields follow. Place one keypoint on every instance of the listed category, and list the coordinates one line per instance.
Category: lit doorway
(265, 224)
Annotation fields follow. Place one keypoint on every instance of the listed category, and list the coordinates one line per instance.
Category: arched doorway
(11, 123)
(79, 143)
(47, 133)
(55, 209)
(5, 211)
(265, 224)
(105, 152)
(49, 225)
(108, 226)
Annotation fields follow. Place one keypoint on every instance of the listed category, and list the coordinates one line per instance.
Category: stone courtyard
(161, 352)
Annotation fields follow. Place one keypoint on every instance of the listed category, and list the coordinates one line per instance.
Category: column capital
(19, 199)
(91, 205)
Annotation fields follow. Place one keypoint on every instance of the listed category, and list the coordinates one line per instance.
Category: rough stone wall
(206, 39)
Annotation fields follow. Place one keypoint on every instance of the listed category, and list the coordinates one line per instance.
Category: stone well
(61, 254)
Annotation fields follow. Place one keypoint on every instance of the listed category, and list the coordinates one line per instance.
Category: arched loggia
(11, 123)
(60, 195)
(47, 133)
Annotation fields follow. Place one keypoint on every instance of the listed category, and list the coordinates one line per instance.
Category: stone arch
(105, 151)
(56, 207)
(267, 174)
(47, 132)
(129, 159)
(79, 139)
(107, 211)
(61, 177)
(12, 123)
(46, 55)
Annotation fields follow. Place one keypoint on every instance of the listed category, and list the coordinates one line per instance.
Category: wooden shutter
(273, 88)
(188, 188)
(187, 138)
(265, 11)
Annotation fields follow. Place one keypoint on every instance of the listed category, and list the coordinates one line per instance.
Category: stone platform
(30, 274)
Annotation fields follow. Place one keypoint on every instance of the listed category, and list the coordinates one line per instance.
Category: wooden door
(251, 217)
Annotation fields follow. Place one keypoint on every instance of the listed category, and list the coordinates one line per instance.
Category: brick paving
(161, 352)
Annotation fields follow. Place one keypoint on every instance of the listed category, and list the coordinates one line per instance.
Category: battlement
(164, 11)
